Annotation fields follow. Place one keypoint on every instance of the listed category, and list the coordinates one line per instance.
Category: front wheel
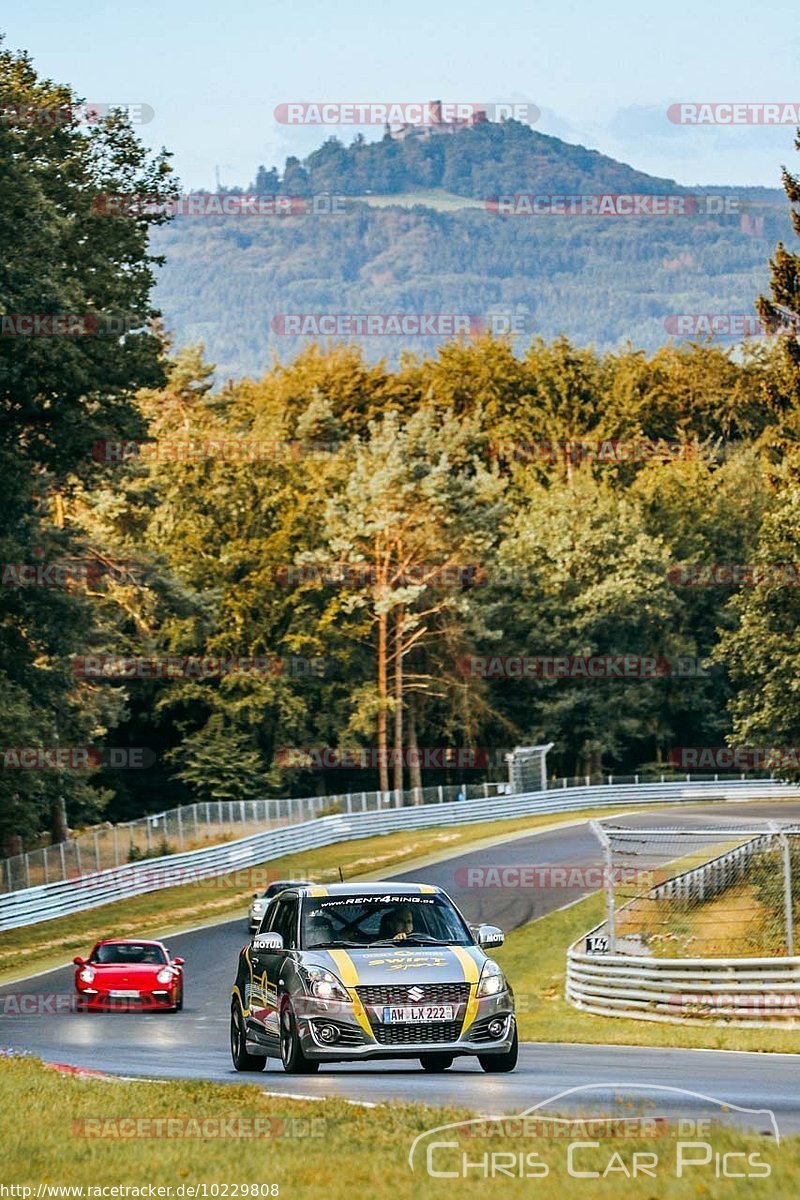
(292, 1056)
(242, 1061)
(436, 1062)
(499, 1063)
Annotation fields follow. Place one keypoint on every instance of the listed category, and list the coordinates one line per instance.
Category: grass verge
(159, 914)
(330, 1148)
(534, 958)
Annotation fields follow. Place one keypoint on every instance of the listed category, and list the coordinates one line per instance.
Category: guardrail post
(787, 894)
(605, 842)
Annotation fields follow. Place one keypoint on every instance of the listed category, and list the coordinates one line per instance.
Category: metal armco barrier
(692, 991)
(91, 890)
(741, 991)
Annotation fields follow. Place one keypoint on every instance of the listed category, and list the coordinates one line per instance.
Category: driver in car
(397, 924)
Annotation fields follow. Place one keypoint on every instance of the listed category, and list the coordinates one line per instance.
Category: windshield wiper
(338, 943)
(416, 939)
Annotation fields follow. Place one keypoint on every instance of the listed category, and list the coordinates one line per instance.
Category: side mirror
(268, 941)
(79, 962)
(490, 935)
(178, 962)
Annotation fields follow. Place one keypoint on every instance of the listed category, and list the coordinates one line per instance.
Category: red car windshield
(125, 953)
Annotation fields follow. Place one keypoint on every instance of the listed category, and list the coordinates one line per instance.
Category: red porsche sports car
(127, 973)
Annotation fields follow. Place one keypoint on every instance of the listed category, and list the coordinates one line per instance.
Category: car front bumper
(154, 1001)
(354, 1043)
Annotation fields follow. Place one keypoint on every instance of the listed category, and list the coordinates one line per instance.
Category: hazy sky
(603, 75)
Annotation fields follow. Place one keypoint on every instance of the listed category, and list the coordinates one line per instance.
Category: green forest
(606, 281)
(355, 536)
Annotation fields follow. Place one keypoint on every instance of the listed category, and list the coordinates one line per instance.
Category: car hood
(129, 970)
(385, 964)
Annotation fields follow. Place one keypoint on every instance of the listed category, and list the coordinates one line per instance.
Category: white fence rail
(726, 991)
(742, 991)
(90, 890)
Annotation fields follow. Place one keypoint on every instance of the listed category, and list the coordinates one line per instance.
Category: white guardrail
(47, 901)
(687, 991)
(691, 991)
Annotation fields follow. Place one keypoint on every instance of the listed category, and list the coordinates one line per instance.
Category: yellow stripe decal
(236, 992)
(471, 976)
(348, 973)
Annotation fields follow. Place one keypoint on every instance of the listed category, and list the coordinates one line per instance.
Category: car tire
(292, 1056)
(242, 1061)
(436, 1062)
(496, 1064)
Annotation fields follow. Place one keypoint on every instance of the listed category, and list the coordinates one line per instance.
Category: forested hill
(412, 234)
(480, 161)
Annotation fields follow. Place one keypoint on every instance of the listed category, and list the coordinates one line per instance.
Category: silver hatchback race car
(352, 972)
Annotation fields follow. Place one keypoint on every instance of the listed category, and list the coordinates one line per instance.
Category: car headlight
(492, 979)
(324, 984)
(165, 975)
(86, 975)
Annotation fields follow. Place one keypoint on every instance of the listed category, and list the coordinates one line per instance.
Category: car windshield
(351, 921)
(122, 953)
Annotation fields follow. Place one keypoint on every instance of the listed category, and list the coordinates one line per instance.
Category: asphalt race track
(194, 1043)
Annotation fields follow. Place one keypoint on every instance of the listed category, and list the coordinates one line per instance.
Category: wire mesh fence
(193, 826)
(714, 889)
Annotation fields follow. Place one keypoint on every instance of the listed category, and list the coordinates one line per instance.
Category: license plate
(410, 1013)
(125, 995)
